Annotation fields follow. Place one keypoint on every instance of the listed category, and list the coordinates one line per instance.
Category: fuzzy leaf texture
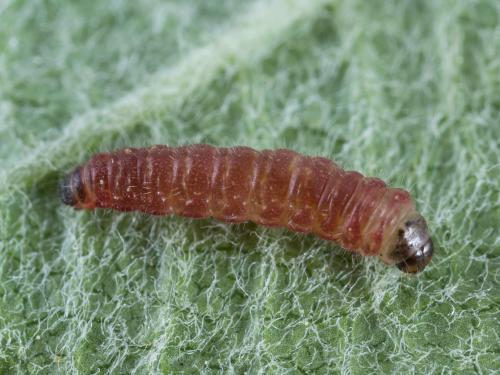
(405, 90)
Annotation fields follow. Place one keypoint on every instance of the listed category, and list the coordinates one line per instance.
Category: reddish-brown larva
(272, 188)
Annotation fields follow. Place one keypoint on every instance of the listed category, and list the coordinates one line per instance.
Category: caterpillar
(271, 188)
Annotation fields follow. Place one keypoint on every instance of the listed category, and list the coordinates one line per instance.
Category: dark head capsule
(415, 245)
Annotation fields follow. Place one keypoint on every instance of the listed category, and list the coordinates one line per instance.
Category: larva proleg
(272, 188)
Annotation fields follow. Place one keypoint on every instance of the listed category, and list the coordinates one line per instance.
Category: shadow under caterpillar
(271, 188)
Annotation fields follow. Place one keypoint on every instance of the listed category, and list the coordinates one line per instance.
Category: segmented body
(272, 188)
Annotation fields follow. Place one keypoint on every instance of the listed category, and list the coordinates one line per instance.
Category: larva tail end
(416, 244)
(70, 188)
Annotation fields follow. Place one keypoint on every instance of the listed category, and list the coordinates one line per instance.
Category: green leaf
(407, 91)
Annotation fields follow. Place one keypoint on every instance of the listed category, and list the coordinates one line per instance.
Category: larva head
(414, 248)
(71, 190)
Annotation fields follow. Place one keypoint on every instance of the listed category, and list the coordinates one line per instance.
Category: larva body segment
(272, 188)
